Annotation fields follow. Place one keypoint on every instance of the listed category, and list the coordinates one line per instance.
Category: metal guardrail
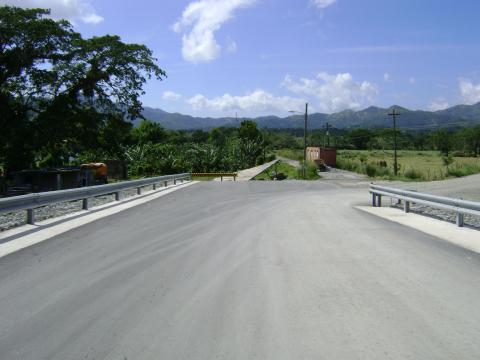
(31, 201)
(217, 175)
(459, 206)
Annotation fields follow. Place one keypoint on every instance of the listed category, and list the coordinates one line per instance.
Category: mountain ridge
(370, 117)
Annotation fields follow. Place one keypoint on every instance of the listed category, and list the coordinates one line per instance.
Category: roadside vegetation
(412, 165)
(67, 100)
(283, 171)
(423, 155)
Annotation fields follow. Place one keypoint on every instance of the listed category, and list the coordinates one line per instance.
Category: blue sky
(258, 57)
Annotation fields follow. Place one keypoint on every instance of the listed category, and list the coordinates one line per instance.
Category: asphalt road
(254, 270)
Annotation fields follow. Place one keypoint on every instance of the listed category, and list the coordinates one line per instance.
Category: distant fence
(31, 201)
(216, 175)
(458, 206)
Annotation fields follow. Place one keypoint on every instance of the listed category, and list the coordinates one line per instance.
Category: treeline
(463, 141)
(149, 149)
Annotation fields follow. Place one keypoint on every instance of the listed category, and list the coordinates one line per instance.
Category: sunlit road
(254, 270)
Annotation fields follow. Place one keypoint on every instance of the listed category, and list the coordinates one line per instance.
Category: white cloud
(258, 102)
(199, 22)
(439, 104)
(322, 4)
(469, 91)
(386, 77)
(62, 9)
(334, 92)
(171, 96)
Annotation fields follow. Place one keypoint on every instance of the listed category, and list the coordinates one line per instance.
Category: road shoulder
(464, 237)
(22, 237)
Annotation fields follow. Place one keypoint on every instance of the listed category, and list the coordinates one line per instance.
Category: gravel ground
(467, 188)
(18, 218)
(470, 221)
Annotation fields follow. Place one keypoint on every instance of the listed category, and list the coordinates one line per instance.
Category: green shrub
(412, 174)
(371, 170)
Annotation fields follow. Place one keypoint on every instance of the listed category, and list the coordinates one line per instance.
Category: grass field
(413, 165)
(290, 171)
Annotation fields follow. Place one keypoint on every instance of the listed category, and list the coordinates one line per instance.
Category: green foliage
(61, 94)
(290, 154)
(148, 132)
(412, 174)
(414, 165)
(447, 160)
(442, 140)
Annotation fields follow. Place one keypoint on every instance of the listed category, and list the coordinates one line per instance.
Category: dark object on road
(279, 176)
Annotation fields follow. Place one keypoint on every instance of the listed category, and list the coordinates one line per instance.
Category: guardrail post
(460, 219)
(174, 181)
(139, 191)
(374, 199)
(379, 200)
(154, 186)
(118, 196)
(406, 206)
(85, 203)
(166, 183)
(31, 216)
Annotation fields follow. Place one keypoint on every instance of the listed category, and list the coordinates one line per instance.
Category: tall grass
(413, 165)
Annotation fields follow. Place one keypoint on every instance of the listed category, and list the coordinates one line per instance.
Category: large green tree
(60, 93)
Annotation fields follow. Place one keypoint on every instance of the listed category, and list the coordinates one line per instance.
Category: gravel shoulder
(18, 218)
(467, 188)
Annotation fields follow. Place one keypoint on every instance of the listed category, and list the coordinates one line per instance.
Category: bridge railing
(30, 202)
(217, 175)
(458, 206)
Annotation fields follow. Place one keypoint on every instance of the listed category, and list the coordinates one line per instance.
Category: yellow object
(99, 169)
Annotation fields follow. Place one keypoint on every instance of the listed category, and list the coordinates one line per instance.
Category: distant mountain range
(371, 117)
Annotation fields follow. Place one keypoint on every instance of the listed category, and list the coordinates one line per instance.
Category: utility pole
(327, 134)
(304, 172)
(394, 114)
(305, 143)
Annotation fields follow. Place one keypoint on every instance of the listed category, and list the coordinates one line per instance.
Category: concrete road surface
(254, 270)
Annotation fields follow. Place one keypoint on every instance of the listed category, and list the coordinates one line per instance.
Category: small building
(328, 155)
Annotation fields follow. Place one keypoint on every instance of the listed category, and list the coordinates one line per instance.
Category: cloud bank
(334, 92)
(199, 22)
